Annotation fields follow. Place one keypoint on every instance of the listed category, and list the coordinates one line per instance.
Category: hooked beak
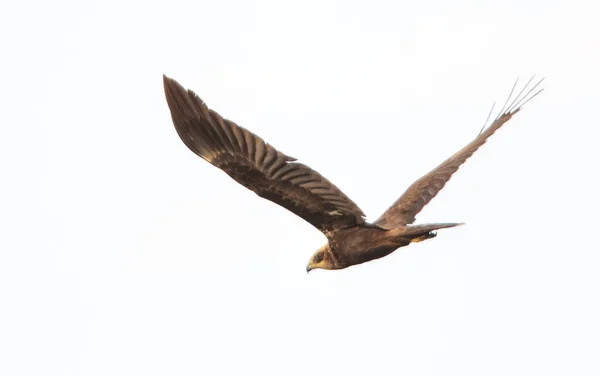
(308, 268)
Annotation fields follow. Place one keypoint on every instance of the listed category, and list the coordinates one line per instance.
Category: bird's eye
(319, 257)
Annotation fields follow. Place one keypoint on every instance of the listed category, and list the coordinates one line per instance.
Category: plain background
(122, 253)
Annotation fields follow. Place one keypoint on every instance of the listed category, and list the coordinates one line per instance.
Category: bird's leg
(420, 238)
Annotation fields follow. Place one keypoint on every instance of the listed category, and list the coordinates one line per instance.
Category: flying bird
(273, 175)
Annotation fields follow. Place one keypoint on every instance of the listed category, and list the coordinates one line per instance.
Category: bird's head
(322, 259)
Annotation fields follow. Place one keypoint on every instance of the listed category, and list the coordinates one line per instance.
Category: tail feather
(427, 228)
(418, 233)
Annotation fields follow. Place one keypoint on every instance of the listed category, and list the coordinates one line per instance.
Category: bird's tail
(418, 233)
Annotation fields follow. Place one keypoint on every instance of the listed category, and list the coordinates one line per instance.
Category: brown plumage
(258, 166)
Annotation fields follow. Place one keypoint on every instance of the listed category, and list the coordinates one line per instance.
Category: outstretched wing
(404, 210)
(257, 165)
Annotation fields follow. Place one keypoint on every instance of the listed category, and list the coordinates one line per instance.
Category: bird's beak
(308, 268)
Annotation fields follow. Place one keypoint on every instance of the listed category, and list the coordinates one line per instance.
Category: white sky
(122, 253)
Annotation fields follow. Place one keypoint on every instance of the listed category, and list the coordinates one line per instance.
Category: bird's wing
(257, 165)
(404, 210)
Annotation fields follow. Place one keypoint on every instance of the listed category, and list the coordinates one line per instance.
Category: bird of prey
(273, 175)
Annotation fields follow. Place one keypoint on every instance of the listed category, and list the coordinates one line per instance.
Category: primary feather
(405, 209)
(257, 165)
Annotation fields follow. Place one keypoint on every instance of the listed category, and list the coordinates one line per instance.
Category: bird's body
(357, 244)
(279, 178)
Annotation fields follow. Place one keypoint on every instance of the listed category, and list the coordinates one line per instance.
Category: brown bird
(258, 166)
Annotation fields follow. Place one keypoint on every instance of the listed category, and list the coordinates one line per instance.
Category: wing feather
(258, 166)
(421, 192)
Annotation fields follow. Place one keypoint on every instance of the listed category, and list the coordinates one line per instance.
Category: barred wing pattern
(258, 166)
(421, 192)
